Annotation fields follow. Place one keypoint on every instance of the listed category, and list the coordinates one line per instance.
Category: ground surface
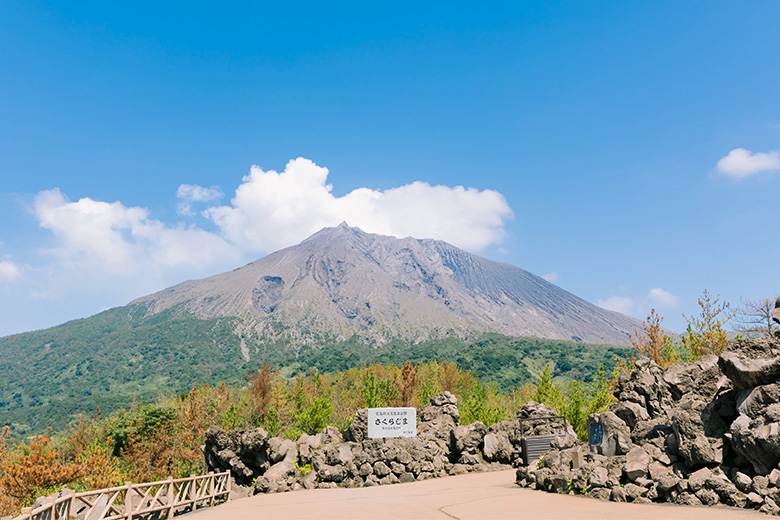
(471, 496)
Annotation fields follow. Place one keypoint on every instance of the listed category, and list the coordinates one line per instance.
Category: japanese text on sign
(392, 422)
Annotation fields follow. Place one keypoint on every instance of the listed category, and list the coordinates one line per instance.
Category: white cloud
(9, 271)
(271, 210)
(189, 193)
(620, 304)
(102, 237)
(551, 277)
(639, 306)
(740, 163)
(194, 192)
(662, 298)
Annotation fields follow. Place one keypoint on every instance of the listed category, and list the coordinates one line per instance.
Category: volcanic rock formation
(698, 433)
(351, 459)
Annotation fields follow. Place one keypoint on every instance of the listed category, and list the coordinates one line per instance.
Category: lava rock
(751, 362)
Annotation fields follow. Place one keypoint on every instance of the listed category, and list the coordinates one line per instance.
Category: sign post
(392, 422)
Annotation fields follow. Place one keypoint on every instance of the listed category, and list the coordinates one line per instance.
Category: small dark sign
(595, 434)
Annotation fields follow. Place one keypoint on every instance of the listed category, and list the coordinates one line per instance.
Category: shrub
(706, 333)
(653, 342)
(36, 469)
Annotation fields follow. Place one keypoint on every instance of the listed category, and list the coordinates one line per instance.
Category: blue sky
(628, 151)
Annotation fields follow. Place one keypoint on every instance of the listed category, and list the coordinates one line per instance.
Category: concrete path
(473, 496)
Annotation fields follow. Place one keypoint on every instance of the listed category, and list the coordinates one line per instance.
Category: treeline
(103, 361)
(151, 441)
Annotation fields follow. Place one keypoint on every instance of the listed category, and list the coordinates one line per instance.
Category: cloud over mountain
(111, 237)
(269, 211)
(190, 193)
(273, 209)
(639, 306)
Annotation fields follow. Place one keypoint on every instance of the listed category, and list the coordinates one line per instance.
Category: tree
(408, 383)
(706, 333)
(653, 342)
(37, 470)
(755, 317)
(260, 387)
(547, 390)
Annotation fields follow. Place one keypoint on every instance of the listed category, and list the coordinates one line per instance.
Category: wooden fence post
(69, 508)
(27, 511)
(171, 497)
(211, 489)
(129, 500)
(193, 492)
(228, 486)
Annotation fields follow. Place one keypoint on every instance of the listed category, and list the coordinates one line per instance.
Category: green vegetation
(506, 361)
(147, 442)
(575, 399)
(705, 334)
(105, 361)
(123, 354)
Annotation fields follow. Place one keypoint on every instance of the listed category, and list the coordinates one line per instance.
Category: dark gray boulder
(615, 436)
(357, 431)
(637, 462)
(467, 439)
(751, 362)
(242, 452)
(702, 377)
(282, 449)
(699, 432)
(438, 418)
(646, 387)
(755, 434)
(757, 441)
(630, 413)
(497, 447)
(280, 470)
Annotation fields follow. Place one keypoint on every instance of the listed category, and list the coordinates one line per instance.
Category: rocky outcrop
(752, 362)
(243, 452)
(328, 459)
(701, 433)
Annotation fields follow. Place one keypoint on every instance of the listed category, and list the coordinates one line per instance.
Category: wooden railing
(153, 500)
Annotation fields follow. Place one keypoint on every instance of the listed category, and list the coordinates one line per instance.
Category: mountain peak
(342, 230)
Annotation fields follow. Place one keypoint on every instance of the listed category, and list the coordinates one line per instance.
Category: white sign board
(392, 422)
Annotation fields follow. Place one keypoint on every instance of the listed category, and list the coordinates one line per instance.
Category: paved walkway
(472, 496)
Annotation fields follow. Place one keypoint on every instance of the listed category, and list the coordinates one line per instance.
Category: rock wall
(697, 433)
(350, 459)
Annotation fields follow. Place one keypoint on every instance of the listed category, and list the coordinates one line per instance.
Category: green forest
(109, 360)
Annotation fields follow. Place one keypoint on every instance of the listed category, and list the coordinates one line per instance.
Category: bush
(706, 333)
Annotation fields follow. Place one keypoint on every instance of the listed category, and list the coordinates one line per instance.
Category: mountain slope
(339, 299)
(342, 281)
(105, 361)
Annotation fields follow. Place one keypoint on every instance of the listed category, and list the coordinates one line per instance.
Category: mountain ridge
(342, 281)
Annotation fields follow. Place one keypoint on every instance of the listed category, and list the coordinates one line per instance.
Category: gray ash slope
(342, 282)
